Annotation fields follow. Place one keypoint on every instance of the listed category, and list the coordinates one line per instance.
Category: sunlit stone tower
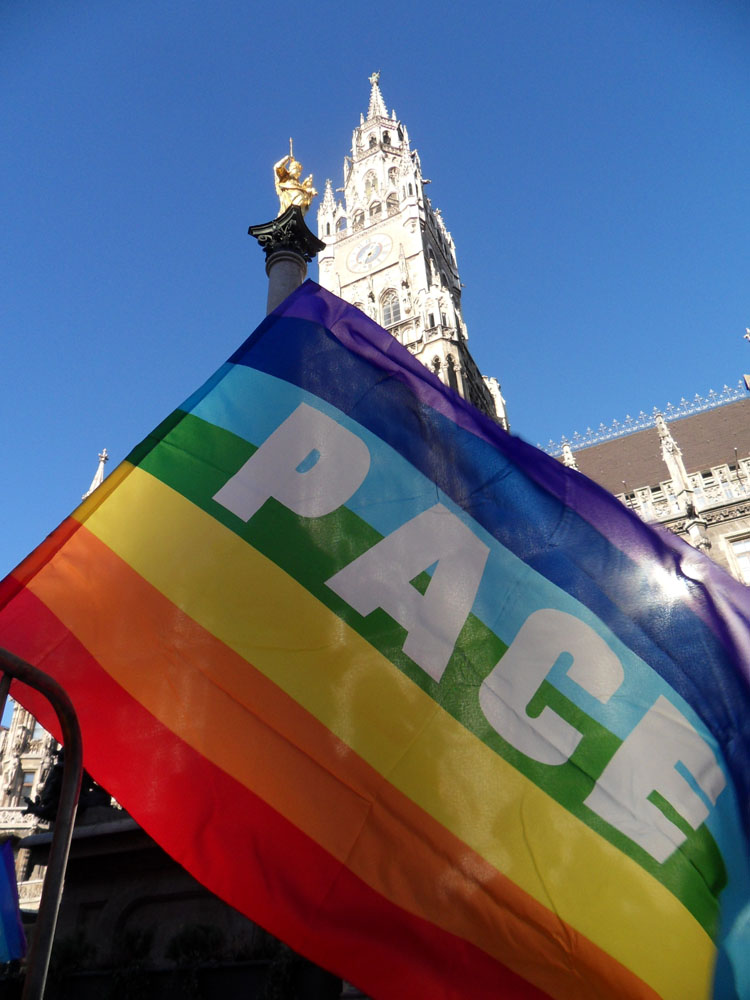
(389, 253)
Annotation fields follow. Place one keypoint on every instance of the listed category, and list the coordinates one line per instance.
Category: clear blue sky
(590, 158)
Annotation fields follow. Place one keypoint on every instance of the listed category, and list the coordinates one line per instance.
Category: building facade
(389, 253)
(687, 469)
(27, 753)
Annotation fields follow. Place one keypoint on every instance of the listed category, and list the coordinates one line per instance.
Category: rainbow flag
(434, 709)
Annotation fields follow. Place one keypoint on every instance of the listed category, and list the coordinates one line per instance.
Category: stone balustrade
(709, 489)
(30, 893)
(14, 818)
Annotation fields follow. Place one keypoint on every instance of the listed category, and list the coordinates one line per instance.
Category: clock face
(368, 252)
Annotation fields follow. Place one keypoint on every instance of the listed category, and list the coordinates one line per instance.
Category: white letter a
(380, 578)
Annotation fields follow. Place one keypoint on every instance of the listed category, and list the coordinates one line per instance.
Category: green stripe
(196, 458)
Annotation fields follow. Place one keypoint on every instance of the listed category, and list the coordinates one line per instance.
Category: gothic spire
(672, 456)
(99, 477)
(328, 203)
(377, 104)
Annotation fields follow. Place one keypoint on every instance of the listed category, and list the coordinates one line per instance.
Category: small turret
(568, 457)
(327, 212)
(670, 452)
(328, 204)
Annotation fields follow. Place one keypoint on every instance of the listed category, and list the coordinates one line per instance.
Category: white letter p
(310, 464)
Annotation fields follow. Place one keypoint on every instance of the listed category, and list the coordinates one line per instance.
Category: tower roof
(376, 108)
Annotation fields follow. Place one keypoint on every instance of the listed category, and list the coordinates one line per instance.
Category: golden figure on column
(290, 189)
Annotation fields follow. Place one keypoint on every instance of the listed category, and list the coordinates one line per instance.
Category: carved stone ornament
(287, 232)
(726, 513)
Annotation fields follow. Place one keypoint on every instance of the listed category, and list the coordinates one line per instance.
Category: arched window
(376, 210)
(391, 309)
(436, 365)
(373, 142)
(328, 228)
(392, 204)
(411, 190)
(359, 220)
(341, 224)
(386, 138)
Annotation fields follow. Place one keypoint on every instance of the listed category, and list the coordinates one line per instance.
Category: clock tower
(389, 253)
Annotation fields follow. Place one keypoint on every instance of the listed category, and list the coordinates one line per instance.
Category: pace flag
(434, 709)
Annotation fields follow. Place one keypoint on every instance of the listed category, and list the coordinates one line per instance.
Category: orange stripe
(301, 769)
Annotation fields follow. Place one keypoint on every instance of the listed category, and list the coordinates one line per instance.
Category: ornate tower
(389, 253)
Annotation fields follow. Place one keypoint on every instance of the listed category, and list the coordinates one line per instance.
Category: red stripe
(33, 562)
(236, 844)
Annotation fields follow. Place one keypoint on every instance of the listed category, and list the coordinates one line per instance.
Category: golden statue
(290, 189)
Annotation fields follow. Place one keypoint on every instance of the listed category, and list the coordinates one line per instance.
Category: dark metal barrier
(44, 930)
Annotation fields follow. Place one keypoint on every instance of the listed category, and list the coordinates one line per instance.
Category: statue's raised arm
(290, 189)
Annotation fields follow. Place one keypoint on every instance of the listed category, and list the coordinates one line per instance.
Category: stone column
(286, 271)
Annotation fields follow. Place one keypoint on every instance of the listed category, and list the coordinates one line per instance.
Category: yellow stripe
(245, 600)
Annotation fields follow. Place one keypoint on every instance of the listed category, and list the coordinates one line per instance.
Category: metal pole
(44, 929)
